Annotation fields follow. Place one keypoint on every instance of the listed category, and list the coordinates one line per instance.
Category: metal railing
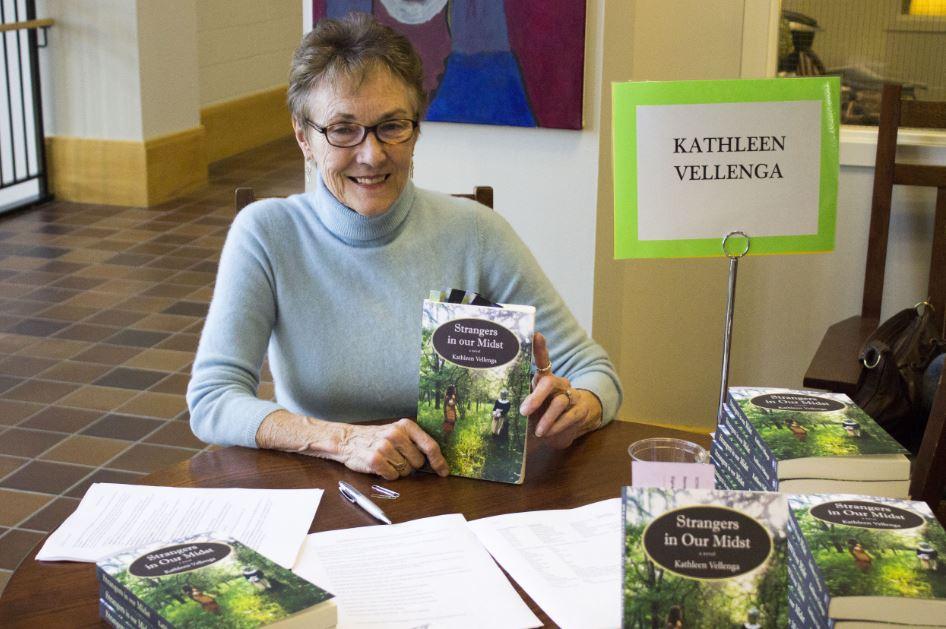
(23, 173)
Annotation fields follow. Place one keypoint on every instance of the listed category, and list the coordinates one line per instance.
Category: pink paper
(672, 475)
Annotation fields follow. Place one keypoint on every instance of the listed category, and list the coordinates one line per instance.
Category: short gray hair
(351, 47)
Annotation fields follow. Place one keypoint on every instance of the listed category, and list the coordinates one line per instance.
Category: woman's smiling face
(368, 177)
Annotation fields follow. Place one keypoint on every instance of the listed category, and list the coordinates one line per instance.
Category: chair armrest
(835, 366)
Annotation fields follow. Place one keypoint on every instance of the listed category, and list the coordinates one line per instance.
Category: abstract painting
(501, 62)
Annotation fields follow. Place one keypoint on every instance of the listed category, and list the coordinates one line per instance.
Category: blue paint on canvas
(337, 9)
(483, 88)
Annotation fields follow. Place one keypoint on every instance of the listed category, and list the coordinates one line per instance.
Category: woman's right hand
(390, 450)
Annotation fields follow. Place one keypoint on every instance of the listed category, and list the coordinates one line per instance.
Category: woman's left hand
(571, 412)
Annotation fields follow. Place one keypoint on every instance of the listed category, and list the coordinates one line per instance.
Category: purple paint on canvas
(545, 37)
(431, 39)
(478, 26)
(548, 39)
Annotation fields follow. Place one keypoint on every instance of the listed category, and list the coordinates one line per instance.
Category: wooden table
(61, 594)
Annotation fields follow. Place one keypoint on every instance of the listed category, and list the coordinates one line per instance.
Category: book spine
(732, 448)
(814, 590)
(624, 492)
(129, 601)
(128, 614)
(757, 449)
(804, 615)
(722, 477)
(808, 609)
(112, 618)
(751, 474)
(806, 566)
(740, 457)
(733, 477)
(118, 616)
(806, 585)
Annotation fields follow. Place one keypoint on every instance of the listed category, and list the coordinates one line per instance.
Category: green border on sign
(626, 97)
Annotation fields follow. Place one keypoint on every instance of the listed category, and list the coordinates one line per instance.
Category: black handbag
(894, 359)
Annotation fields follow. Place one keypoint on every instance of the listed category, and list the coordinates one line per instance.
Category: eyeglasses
(348, 134)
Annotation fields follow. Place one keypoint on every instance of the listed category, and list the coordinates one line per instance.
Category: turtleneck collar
(353, 228)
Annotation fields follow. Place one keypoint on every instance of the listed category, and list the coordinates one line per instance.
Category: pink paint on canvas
(507, 62)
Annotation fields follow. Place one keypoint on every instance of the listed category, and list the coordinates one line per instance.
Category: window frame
(858, 142)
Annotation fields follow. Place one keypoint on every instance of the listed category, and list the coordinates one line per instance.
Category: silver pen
(356, 497)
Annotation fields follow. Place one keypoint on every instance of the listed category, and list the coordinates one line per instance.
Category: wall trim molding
(243, 123)
(126, 172)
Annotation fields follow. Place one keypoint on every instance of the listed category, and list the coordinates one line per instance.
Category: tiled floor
(100, 312)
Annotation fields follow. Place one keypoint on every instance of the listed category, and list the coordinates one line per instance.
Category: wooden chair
(481, 194)
(835, 366)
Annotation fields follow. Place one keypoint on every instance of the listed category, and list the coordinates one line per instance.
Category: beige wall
(119, 70)
(662, 320)
(90, 81)
(709, 30)
(167, 53)
(245, 46)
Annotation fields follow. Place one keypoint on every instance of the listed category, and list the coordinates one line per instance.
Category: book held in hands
(797, 441)
(474, 374)
(207, 581)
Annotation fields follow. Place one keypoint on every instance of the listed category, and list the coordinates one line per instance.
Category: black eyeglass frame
(365, 130)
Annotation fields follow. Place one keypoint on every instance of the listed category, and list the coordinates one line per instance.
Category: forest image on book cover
(798, 424)
(704, 559)
(216, 582)
(474, 374)
(871, 557)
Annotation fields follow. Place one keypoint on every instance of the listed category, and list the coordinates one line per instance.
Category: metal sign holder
(730, 304)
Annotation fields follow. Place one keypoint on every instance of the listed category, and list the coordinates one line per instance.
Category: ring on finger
(399, 467)
(571, 395)
(546, 369)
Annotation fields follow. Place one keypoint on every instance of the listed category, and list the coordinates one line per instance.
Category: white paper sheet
(429, 572)
(113, 517)
(568, 561)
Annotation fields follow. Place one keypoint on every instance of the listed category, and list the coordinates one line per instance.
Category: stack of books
(207, 581)
(805, 442)
(858, 562)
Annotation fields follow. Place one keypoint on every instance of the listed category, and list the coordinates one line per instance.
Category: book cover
(474, 374)
(211, 581)
(878, 559)
(704, 558)
(801, 427)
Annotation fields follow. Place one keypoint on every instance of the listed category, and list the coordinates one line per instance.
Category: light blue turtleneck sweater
(336, 297)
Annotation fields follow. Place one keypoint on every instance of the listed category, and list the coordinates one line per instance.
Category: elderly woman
(332, 281)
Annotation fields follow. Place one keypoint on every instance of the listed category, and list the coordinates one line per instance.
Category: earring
(410, 174)
(308, 171)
